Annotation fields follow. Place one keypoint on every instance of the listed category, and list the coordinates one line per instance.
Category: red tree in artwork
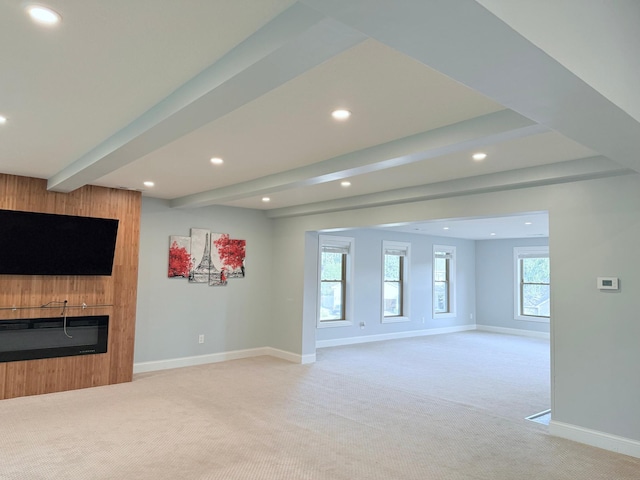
(231, 252)
(179, 261)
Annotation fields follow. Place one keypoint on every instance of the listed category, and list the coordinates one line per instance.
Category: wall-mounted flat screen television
(48, 244)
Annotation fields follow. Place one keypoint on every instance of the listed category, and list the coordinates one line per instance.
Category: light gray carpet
(445, 407)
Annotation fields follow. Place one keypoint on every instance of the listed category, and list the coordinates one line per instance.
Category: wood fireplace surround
(22, 296)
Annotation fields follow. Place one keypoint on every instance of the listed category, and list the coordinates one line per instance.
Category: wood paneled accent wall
(67, 373)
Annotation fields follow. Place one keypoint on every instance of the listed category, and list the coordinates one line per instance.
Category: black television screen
(47, 244)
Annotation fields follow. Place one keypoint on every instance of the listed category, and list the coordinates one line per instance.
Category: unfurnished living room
(319, 239)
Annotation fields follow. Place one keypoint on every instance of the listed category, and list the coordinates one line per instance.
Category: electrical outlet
(201, 339)
(362, 324)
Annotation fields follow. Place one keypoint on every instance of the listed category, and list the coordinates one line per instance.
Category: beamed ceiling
(124, 92)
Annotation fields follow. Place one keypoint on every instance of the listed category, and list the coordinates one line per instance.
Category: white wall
(495, 284)
(367, 265)
(172, 312)
(294, 316)
(594, 231)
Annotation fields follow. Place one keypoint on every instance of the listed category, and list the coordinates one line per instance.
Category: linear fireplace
(34, 338)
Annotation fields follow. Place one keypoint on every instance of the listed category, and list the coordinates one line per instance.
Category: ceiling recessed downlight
(445, 228)
(266, 199)
(492, 234)
(3, 120)
(43, 15)
(341, 114)
(217, 161)
(479, 156)
(149, 184)
(345, 183)
(527, 223)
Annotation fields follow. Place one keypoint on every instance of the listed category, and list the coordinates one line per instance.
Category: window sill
(523, 318)
(395, 319)
(436, 316)
(334, 323)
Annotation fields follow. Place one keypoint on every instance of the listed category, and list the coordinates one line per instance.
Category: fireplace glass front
(34, 338)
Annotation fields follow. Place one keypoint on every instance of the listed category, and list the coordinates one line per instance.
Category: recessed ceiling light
(445, 228)
(3, 120)
(341, 114)
(527, 223)
(43, 15)
(217, 161)
(266, 199)
(492, 234)
(479, 156)
(345, 183)
(149, 184)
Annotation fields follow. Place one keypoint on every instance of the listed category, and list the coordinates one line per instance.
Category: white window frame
(450, 250)
(518, 253)
(347, 243)
(403, 249)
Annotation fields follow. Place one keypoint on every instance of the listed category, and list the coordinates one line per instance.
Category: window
(395, 263)
(334, 280)
(444, 276)
(533, 284)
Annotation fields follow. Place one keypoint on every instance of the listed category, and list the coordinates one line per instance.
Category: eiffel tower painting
(217, 275)
(200, 242)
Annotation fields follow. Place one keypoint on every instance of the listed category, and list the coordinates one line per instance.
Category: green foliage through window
(332, 286)
(535, 288)
(393, 285)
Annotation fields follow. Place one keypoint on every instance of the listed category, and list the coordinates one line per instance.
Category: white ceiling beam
(466, 42)
(476, 132)
(297, 40)
(601, 48)
(562, 172)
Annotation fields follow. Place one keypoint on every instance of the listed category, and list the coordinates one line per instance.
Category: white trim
(441, 316)
(306, 359)
(290, 356)
(451, 252)
(402, 249)
(401, 319)
(518, 253)
(333, 323)
(197, 360)
(392, 336)
(524, 318)
(348, 244)
(144, 367)
(595, 438)
(513, 331)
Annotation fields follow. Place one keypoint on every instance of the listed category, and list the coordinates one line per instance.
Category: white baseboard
(309, 358)
(291, 357)
(513, 331)
(392, 336)
(595, 438)
(220, 357)
(143, 367)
